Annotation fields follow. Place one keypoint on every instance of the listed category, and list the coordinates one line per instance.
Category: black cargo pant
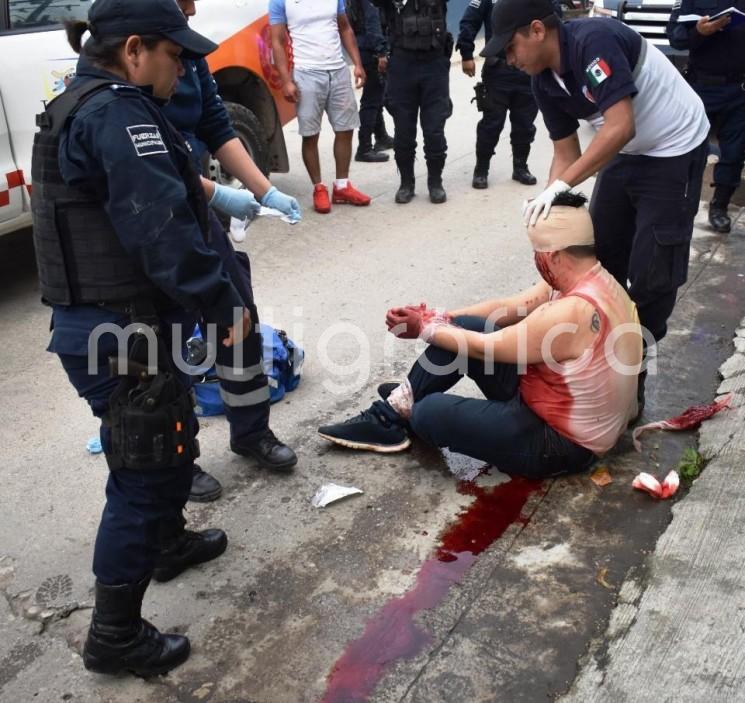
(244, 387)
(419, 87)
(642, 209)
(371, 101)
(506, 90)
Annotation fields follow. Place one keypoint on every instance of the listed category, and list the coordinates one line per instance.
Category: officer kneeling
(120, 223)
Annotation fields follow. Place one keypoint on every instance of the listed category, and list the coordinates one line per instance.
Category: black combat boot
(180, 549)
(405, 192)
(437, 193)
(520, 172)
(268, 450)
(365, 151)
(120, 640)
(718, 217)
(481, 172)
(204, 487)
(383, 140)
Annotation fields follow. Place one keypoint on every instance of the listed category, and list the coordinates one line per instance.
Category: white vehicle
(39, 64)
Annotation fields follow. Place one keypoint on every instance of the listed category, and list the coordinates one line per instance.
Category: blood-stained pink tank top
(590, 400)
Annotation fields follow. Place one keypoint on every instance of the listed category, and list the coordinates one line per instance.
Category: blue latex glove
(276, 199)
(240, 204)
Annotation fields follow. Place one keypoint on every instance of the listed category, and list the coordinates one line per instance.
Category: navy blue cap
(508, 16)
(123, 18)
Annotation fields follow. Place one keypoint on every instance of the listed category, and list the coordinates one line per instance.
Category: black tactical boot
(405, 192)
(268, 451)
(718, 217)
(383, 140)
(371, 156)
(120, 640)
(437, 193)
(481, 173)
(180, 549)
(520, 172)
(204, 486)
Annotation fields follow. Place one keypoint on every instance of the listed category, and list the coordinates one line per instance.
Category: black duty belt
(709, 79)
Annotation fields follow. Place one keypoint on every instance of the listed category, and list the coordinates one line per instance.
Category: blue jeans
(500, 429)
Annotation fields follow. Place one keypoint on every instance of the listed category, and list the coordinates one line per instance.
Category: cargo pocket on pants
(668, 265)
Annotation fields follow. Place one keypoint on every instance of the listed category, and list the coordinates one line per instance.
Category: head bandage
(564, 227)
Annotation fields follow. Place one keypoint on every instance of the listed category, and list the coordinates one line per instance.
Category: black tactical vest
(420, 26)
(79, 256)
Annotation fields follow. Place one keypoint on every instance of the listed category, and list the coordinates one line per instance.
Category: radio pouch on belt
(480, 97)
(150, 416)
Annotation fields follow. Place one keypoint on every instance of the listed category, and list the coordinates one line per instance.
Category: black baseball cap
(122, 18)
(508, 16)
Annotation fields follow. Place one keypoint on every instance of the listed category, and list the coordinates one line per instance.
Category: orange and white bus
(39, 64)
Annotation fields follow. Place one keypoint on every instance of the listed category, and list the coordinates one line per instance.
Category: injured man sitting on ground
(557, 365)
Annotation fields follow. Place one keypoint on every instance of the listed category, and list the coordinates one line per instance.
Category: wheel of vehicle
(251, 134)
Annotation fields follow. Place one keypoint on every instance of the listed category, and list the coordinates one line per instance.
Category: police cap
(508, 16)
(123, 18)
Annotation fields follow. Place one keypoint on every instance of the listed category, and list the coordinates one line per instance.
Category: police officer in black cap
(716, 70)
(502, 88)
(648, 151)
(120, 228)
(418, 84)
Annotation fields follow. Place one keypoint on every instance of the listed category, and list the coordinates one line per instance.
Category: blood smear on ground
(392, 633)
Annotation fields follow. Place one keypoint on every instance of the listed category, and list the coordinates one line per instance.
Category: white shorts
(325, 91)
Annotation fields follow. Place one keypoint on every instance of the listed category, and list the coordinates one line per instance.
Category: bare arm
(618, 129)
(508, 311)
(234, 157)
(558, 331)
(566, 152)
(279, 39)
(350, 44)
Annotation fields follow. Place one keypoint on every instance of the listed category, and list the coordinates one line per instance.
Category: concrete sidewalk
(679, 634)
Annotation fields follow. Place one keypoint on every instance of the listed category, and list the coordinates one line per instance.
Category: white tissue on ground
(330, 493)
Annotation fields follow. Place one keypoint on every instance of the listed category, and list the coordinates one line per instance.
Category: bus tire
(251, 134)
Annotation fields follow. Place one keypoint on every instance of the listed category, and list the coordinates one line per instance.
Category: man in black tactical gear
(418, 82)
(716, 71)
(502, 88)
(365, 21)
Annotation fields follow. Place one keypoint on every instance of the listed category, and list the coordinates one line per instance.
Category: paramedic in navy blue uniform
(716, 70)
(120, 226)
(198, 112)
(649, 150)
(506, 88)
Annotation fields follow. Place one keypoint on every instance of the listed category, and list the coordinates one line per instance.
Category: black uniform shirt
(598, 56)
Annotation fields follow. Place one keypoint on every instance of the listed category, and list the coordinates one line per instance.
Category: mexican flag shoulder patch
(597, 71)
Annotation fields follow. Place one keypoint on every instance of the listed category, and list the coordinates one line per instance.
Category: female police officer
(120, 222)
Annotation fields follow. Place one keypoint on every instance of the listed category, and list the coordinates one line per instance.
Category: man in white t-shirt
(319, 83)
(649, 150)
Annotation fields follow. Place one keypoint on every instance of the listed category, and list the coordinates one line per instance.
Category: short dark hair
(103, 51)
(569, 199)
(550, 22)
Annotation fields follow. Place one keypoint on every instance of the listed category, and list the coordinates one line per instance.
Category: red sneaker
(321, 199)
(349, 196)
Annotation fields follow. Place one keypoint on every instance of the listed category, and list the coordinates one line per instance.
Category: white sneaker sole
(365, 446)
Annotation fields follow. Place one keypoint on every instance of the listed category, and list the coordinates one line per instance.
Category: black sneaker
(719, 219)
(384, 142)
(385, 389)
(370, 430)
(204, 486)
(268, 451)
(189, 549)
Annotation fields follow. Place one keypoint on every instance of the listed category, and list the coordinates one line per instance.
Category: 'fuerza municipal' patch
(146, 139)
